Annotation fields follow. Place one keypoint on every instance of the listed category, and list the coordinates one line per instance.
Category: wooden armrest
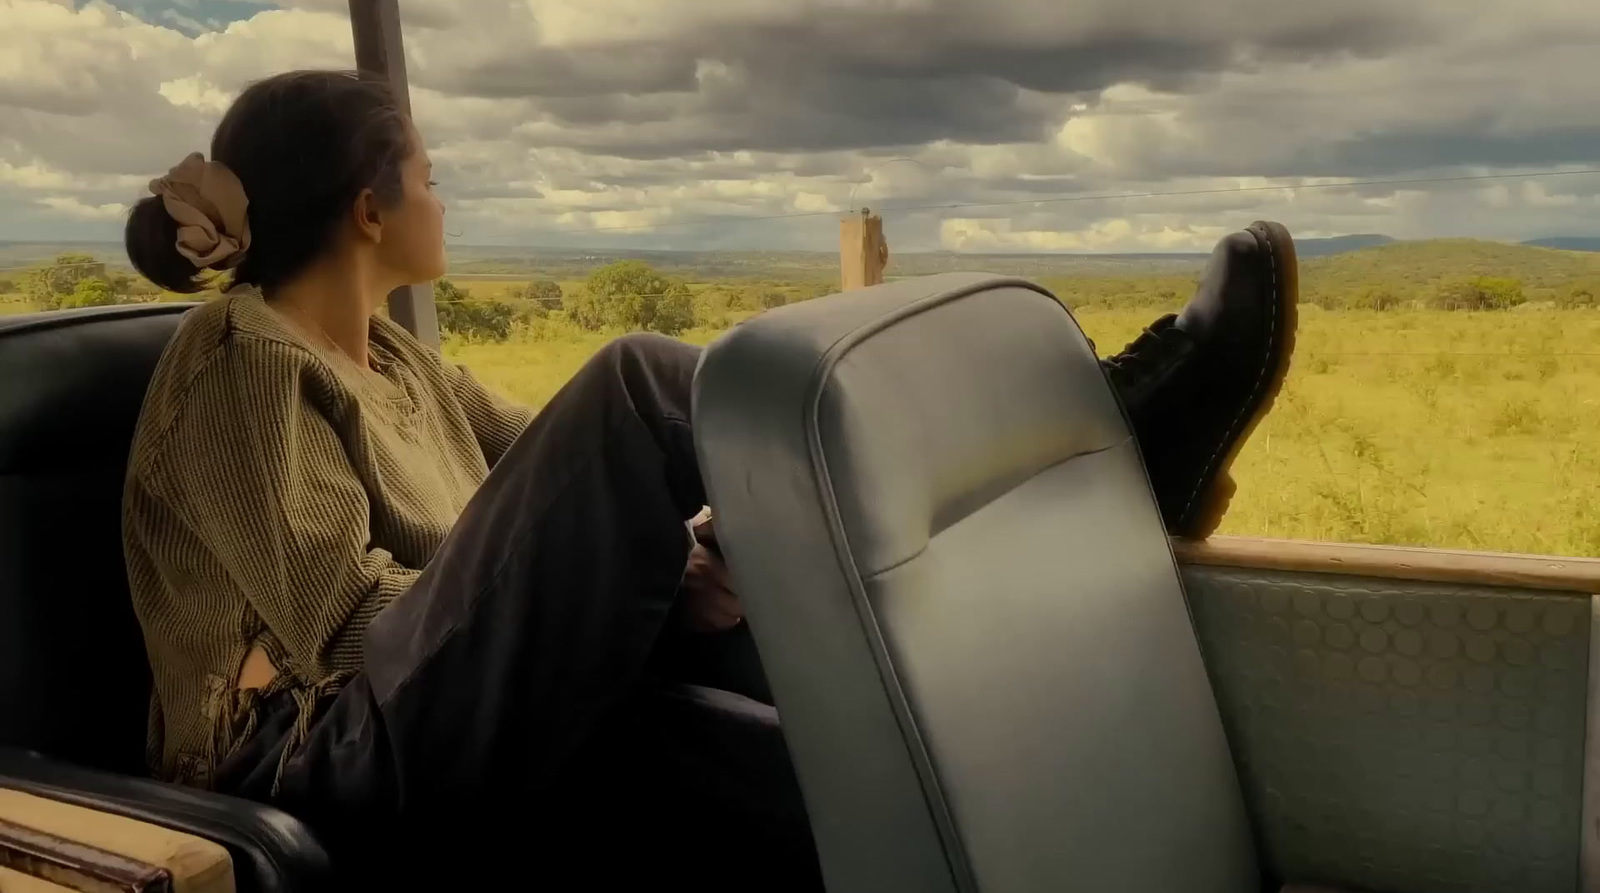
(17, 882)
(1575, 575)
(80, 848)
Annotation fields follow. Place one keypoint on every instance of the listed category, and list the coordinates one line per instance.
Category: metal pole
(375, 25)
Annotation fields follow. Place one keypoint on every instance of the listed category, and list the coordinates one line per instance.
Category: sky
(706, 124)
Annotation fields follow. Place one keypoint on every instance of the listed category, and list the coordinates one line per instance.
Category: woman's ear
(367, 218)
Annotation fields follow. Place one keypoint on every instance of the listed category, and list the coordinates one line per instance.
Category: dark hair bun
(304, 144)
(152, 241)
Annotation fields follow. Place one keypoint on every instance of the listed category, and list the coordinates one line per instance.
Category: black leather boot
(1196, 383)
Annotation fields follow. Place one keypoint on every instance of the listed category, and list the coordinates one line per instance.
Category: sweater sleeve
(496, 421)
(261, 477)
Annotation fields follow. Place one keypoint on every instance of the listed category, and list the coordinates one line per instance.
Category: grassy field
(1430, 428)
(1475, 430)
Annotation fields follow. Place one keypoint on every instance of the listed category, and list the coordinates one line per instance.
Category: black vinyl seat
(965, 600)
(74, 681)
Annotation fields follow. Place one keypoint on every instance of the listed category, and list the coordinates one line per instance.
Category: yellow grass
(530, 371)
(1428, 428)
(1463, 430)
(14, 304)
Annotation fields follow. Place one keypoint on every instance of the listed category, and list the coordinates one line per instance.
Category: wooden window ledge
(1576, 575)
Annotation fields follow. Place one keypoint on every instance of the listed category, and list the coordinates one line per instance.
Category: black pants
(523, 711)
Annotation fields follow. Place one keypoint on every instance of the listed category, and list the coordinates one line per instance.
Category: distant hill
(1446, 258)
(1567, 243)
(1339, 244)
(1414, 270)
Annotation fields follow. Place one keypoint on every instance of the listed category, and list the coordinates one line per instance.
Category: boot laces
(1155, 348)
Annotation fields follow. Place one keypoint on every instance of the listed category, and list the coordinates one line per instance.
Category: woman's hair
(303, 144)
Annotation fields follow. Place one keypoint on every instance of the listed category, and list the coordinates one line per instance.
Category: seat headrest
(955, 571)
(69, 378)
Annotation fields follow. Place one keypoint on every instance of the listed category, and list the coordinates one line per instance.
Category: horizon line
(936, 251)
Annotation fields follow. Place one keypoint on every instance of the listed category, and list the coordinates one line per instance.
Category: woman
(382, 597)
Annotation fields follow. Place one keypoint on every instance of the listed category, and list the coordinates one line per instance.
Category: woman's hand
(707, 599)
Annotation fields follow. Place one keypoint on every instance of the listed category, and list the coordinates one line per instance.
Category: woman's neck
(333, 303)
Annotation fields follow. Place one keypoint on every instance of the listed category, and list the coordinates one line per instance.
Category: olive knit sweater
(279, 497)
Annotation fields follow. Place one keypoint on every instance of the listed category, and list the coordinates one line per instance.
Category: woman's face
(413, 228)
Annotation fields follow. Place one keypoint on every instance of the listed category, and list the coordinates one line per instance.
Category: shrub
(95, 292)
(1575, 297)
(1478, 293)
(467, 317)
(1376, 299)
(631, 295)
(545, 293)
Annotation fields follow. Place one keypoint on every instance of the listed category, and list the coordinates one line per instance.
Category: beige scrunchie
(208, 202)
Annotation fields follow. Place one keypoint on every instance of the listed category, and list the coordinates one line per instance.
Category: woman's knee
(645, 364)
(648, 348)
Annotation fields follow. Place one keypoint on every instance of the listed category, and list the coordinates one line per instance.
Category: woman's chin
(423, 277)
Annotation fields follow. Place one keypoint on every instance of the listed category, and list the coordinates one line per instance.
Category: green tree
(1376, 298)
(37, 286)
(136, 288)
(95, 292)
(51, 283)
(546, 292)
(1478, 293)
(445, 291)
(475, 320)
(771, 298)
(630, 294)
(1576, 296)
(1503, 292)
(70, 268)
(712, 305)
(7, 286)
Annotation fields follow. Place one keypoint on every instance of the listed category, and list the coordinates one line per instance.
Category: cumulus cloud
(196, 92)
(71, 206)
(1000, 235)
(689, 123)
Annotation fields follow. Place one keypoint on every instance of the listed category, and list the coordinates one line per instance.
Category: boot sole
(1216, 487)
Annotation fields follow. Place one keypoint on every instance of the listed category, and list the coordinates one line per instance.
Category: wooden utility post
(863, 252)
(375, 25)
